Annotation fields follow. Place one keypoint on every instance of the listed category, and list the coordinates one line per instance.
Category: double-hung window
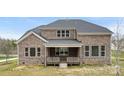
(58, 33)
(38, 51)
(63, 33)
(87, 48)
(26, 51)
(67, 33)
(95, 50)
(102, 50)
(32, 51)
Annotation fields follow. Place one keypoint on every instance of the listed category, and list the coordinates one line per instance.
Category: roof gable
(81, 26)
(28, 34)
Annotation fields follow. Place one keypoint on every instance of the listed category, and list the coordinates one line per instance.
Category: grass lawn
(2, 57)
(11, 69)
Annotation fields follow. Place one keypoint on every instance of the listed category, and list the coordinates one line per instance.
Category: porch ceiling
(63, 43)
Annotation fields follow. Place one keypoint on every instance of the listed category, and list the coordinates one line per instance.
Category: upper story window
(67, 33)
(63, 33)
(59, 33)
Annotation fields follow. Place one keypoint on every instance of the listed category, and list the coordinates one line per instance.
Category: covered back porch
(63, 52)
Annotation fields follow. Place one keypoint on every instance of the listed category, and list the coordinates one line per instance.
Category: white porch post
(80, 54)
(45, 57)
(18, 54)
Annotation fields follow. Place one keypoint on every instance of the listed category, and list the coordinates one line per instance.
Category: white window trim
(98, 51)
(28, 34)
(90, 51)
(66, 33)
(103, 51)
(36, 52)
(57, 33)
(61, 34)
(86, 51)
(26, 52)
(59, 51)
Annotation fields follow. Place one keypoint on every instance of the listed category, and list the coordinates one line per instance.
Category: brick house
(72, 41)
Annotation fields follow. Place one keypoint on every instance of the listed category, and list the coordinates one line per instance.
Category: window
(86, 50)
(102, 50)
(57, 51)
(26, 51)
(63, 33)
(61, 51)
(32, 52)
(95, 50)
(58, 33)
(67, 33)
(38, 51)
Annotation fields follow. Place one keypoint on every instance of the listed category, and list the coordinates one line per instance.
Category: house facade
(71, 41)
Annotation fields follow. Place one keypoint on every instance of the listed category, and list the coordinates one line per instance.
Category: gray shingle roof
(62, 42)
(79, 25)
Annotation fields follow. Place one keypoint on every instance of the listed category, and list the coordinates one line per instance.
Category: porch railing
(72, 59)
(58, 59)
(53, 59)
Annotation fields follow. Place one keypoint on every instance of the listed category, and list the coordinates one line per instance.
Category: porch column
(18, 54)
(80, 54)
(45, 56)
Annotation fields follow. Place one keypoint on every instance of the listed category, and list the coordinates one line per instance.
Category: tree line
(8, 47)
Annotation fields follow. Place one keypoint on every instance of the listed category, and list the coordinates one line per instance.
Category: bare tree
(5, 48)
(118, 41)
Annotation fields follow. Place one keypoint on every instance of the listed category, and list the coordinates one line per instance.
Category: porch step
(63, 65)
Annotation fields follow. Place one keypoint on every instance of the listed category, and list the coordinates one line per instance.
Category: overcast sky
(15, 27)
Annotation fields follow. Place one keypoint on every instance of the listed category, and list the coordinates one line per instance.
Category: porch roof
(63, 43)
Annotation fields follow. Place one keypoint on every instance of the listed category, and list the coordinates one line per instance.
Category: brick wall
(31, 41)
(52, 34)
(97, 40)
